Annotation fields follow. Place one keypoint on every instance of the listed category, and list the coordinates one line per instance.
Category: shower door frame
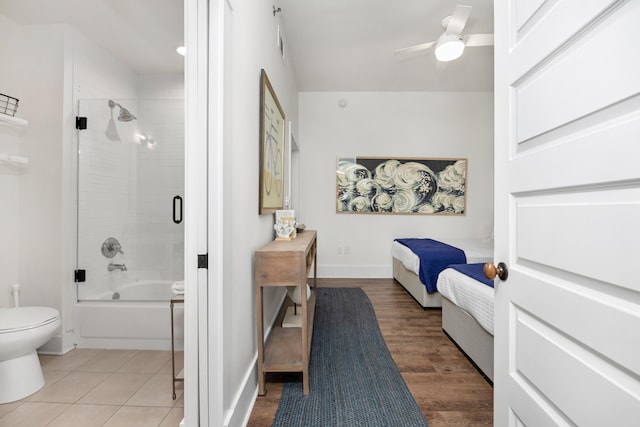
(137, 237)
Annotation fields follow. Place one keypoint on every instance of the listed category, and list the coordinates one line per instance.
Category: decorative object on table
(354, 380)
(272, 141)
(401, 185)
(285, 225)
(293, 316)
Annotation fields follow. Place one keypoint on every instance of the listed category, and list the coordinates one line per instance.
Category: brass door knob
(491, 271)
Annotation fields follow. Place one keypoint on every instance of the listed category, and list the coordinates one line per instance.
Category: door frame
(203, 403)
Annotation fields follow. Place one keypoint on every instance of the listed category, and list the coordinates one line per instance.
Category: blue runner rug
(353, 379)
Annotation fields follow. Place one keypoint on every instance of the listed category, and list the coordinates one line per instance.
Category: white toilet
(22, 331)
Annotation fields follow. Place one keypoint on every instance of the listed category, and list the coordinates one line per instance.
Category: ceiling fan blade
(478, 40)
(458, 19)
(415, 48)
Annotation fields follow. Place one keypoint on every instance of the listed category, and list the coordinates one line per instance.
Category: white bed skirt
(466, 332)
(411, 282)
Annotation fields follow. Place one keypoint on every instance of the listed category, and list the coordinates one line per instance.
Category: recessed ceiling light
(181, 50)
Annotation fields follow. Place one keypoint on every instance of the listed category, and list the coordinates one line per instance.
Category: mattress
(470, 295)
(475, 251)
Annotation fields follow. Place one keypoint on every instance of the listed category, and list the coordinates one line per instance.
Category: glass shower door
(130, 181)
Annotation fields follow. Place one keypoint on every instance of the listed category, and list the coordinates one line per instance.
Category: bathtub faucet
(120, 267)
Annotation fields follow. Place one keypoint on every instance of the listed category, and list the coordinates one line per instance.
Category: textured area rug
(353, 379)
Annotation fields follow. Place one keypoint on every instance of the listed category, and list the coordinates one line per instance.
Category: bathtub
(135, 316)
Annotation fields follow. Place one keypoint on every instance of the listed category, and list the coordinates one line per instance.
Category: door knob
(491, 271)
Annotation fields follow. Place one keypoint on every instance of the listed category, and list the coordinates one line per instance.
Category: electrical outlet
(339, 250)
(347, 250)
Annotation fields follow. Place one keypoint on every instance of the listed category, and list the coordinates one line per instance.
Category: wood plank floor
(446, 386)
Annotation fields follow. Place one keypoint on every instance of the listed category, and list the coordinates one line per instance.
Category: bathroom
(54, 216)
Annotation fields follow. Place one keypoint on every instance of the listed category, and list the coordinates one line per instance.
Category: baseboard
(239, 412)
(355, 271)
(59, 344)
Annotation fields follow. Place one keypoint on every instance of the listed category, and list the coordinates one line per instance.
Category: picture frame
(400, 185)
(272, 149)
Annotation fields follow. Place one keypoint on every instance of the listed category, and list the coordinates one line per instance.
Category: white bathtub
(143, 290)
(140, 319)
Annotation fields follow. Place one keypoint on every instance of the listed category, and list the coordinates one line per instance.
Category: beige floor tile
(5, 408)
(156, 392)
(173, 418)
(32, 414)
(51, 377)
(89, 376)
(146, 361)
(67, 362)
(180, 399)
(107, 361)
(137, 416)
(116, 389)
(70, 388)
(166, 368)
(84, 415)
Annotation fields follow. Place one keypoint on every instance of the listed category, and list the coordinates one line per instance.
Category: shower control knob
(111, 247)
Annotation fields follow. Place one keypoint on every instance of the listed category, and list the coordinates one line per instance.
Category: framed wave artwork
(401, 185)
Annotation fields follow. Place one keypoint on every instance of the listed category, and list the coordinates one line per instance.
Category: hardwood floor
(446, 386)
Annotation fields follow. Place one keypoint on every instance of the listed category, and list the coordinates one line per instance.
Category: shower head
(124, 115)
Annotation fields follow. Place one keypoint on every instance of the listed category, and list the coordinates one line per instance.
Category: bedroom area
(360, 104)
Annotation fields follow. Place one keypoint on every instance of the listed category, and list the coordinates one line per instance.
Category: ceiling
(347, 45)
(333, 45)
(141, 33)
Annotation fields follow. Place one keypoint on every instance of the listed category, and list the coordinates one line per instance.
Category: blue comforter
(475, 271)
(434, 257)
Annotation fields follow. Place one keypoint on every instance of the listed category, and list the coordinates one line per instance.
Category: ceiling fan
(452, 42)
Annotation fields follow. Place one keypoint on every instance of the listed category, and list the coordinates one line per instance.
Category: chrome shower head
(124, 115)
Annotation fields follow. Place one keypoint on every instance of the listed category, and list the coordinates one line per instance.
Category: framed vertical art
(272, 145)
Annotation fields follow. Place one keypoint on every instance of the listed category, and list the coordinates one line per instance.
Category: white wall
(10, 175)
(425, 125)
(32, 213)
(253, 47)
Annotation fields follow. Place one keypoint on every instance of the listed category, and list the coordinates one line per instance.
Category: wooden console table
(286, 263)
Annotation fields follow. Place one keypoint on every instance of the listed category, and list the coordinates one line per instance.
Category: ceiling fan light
(449, 47)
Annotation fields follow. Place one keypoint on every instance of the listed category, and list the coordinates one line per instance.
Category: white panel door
(567, 222)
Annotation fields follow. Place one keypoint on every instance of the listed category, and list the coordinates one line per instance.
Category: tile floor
(113, 388)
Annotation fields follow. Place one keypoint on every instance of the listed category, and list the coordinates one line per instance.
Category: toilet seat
(23, 318)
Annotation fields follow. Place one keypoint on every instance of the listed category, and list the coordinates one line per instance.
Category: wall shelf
(13, 121)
